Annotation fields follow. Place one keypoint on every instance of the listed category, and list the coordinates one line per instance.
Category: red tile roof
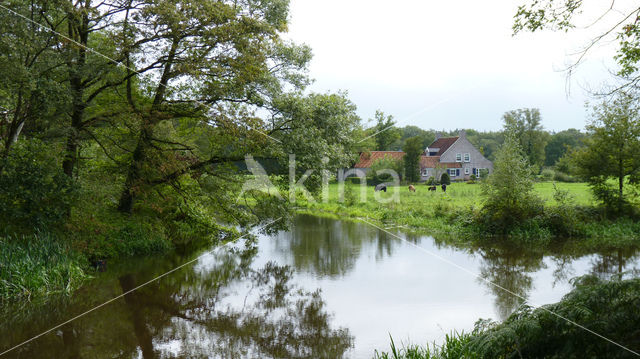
(367, 158)
(443, 144)
(432, 161)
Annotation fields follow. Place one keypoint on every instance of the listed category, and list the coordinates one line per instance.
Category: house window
(467, 157)
(425, 172)
(466, 171)
(453, 172)
(458, 157)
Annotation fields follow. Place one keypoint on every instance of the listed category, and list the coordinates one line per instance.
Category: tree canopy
(525, 125)
(611, 151)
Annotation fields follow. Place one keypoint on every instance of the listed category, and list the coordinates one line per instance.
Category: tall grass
(455, 346)
(36, 266)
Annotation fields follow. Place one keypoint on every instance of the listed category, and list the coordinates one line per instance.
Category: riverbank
(35, 264)
(453, 215)
(603, 307)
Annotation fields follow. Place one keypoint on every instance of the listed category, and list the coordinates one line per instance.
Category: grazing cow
(444, 188)
(432, 188)
(411, 188)
(381, 187)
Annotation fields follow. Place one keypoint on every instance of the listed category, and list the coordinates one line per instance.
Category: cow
(411, 188)
(432, 188)
(444, 188)
(381, 187)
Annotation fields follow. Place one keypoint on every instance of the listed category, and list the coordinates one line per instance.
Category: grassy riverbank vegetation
(604, 307)
(451, 215)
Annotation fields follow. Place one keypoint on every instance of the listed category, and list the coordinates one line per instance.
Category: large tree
(413, 150)
(611, 151)
(525, 125)
(216, 63)
(385, 131)
(560, 143)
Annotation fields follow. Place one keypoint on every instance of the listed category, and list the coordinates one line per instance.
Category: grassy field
(458, 194)
(422, 209)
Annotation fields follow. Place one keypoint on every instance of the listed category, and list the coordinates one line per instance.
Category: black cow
(432, 188)
(381, 187)
(444, 188)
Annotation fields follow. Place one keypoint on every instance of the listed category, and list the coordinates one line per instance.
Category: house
(455, 155)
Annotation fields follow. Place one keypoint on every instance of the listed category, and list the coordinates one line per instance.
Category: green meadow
(450, 215)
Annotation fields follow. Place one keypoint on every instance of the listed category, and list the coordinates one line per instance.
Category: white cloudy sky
(446, 64)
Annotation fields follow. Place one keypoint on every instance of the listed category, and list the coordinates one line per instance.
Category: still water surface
(322, 289)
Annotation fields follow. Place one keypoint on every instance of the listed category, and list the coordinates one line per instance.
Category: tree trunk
(134, 176)
(80, 31)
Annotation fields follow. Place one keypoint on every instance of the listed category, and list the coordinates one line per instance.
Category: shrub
(563, 177)
(387, 163)
(431, 181)
(349, 196)
(35, 192)
(547, 174)
(509, 195)
(445, 179)
(603, 307)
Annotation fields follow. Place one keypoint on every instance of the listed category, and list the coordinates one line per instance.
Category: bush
(35, 192)
(445, 179)
(603, 307)
(431, 181)
(548, 174)
(563, 177)
(387, 163)
(510, 200)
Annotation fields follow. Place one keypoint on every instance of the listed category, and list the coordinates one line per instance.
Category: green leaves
(413, 150)
(611, 152)
(509, 193)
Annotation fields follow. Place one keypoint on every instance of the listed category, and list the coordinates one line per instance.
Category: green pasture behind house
(455, 155)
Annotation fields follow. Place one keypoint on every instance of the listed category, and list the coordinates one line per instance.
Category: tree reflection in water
(222, 307)
(509, 269)
(330, 248)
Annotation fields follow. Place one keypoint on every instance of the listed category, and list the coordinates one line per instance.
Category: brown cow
(411, 188)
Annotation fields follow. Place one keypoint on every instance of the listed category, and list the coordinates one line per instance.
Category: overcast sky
(446, 64)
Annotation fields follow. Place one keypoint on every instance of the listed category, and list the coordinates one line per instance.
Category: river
(324, 288)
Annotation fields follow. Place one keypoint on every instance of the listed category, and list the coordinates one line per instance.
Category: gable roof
(443, 143)
(433, 161)
(367, 158)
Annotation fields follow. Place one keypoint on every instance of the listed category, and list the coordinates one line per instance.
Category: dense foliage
(509, 196)
(413, 150)
(610, 160)
(130, 125)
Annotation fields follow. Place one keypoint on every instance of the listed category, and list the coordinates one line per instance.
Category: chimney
(438, 135)
(462, 134)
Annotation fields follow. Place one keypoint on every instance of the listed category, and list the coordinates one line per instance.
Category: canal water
(324, 288)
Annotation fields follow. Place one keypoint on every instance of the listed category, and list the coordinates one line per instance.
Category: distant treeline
(555, 143)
